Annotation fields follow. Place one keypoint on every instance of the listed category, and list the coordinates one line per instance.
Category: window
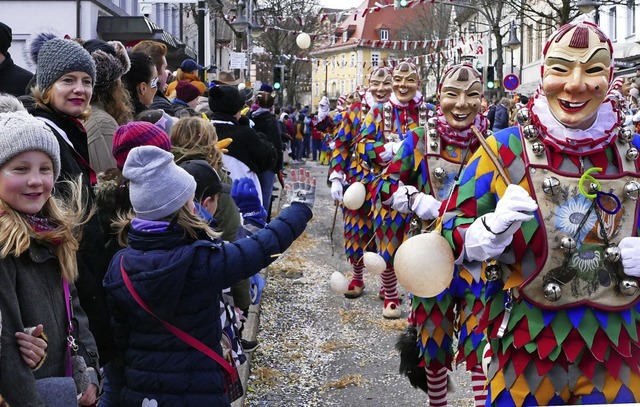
(375, 59)
(631, 19)
(613, 28)
(384, 35)
(345, 36)
(353, 85)
(343, 58)
(529, 42)
(316, 89)
(353, 59)
(342, 88)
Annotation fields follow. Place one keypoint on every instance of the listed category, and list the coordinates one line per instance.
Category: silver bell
(433, 145)
(431, 122)
(625, 134)
(529, 132)
(493, 272)
(415, 223)
(568, 244)
(440, 172)
(632, 154)
(552, 291)
(551, 185)
(433, 134)
(488, 133)
(612, 253)
(629, 286)
(538, 148)
(632, 190)
(593, 188)
(523, 116)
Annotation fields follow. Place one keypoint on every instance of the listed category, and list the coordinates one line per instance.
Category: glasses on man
(154, 83)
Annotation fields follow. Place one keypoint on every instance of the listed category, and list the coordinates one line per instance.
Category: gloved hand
(303, 188)
(407, 199)
(245, 195)
(337, 179)
(489, 235)
(390, 149)
(630, 255)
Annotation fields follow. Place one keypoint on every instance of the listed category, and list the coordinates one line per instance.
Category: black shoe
(276, 188)
(248, 346)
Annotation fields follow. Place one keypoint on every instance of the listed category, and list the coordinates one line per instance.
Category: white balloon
(374, 263)
(339, 283)
(303, 40)
(353, 197)
(424, 264)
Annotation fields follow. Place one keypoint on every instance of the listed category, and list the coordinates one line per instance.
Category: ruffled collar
(417, 99)
(456, 137)
(595, 138)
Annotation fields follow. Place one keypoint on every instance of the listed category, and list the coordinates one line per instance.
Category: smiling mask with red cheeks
(405, 82)
(460, 96)
(576, 74)
(380, 84)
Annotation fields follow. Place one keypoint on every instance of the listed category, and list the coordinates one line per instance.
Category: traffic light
(490, 76)
(400, 3)
(285, 74)
(277, 77)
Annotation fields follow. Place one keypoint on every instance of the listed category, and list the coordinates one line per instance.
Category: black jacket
(267, 124)
(13, 79)
(92, 257)
(248, 146)
(160, 101)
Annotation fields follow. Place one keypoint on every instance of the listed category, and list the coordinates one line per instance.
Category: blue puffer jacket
(180, 280)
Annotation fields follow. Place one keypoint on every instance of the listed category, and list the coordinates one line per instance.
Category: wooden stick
(492, 156)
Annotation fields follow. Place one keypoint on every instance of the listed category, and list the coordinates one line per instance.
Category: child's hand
(303, 188)
(245, 195)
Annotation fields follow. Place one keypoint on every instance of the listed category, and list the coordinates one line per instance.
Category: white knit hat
(158, 187)
(21, 132)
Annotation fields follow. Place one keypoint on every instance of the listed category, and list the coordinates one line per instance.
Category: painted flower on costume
(570, 218)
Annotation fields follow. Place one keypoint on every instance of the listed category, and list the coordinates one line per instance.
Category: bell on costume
(629, 286)
(632, 154)
(439, 172)
(632, 190)
(523, 116)
(552, 291)
(538, 148)
(493, 272)
(433, 134)
(529, 132)
(551, 185)
(568, 244)
(625, 135)
(612, 253)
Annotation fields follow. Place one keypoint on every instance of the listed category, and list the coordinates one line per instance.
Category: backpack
(300, 131)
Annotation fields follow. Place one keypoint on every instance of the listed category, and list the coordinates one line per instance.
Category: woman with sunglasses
(141, 81)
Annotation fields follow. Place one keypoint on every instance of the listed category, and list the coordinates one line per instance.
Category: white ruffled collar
(596, 137)
(460, 137)
(417, 99)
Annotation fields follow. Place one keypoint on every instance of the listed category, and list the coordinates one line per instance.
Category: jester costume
(561, 312)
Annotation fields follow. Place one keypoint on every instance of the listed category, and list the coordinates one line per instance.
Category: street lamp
(514, 43)
(587, 6)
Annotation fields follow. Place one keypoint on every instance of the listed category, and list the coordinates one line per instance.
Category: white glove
(423, 205)
(630, 255)
(336, 190)
(390, 149)
(489, 235)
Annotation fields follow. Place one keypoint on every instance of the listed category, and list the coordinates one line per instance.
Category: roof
(368, 19)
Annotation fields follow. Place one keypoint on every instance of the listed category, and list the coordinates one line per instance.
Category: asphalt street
(318, 348)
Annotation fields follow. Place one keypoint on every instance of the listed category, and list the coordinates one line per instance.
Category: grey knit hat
(158, 187)
(57, 57)
(21, 132)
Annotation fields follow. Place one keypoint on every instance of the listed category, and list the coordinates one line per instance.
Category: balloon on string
(303, 40)
(353, 197)
(339, 283)
(374, 263)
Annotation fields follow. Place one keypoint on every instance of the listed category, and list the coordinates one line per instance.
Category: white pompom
(486, 359)
(374, 263)
(353, 197)
(339, 283)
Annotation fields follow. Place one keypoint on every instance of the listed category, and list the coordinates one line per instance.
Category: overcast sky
(343, 4)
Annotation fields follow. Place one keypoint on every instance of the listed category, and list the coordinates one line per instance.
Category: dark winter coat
(13, 79)
(181, 281)
(160, 101)
(502, 118)
(266, 123)
(92, 259)
(248, 146)
(31, 293)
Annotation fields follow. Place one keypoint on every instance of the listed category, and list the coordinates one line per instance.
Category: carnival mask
(380, 85)
(405, 82)
(576, 74)
(461, 96)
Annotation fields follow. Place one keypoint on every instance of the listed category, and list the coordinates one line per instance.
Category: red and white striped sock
(478, 383)
(390, 284)
(437, 381)
(358, 271)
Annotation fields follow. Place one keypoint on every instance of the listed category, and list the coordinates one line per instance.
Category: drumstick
(492, 156)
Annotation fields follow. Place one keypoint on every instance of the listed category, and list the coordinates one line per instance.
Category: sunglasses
(154, 83)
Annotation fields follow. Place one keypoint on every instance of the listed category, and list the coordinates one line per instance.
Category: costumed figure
(348, 168)
(383, 130)
(421, 175)
(552, 220)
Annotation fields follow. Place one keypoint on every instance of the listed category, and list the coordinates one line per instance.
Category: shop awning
(131, 30)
